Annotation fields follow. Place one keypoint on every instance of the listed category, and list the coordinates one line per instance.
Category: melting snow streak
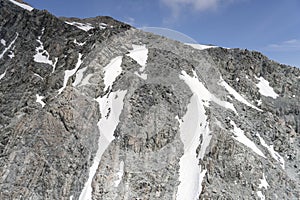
(111, 106)
(240, 136)
(9, 46)
(69, 73)
(236, 95)
(271, 150)
(192, 126)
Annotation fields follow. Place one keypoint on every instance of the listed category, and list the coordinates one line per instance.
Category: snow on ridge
(236, 95)
(9, 46)
(69, 73)
(39, 99)
(140, 55)
(112, 71)
(200, 46)
(241, 137)
(198, 88)
(265, 89)
(86, 27)
(271, 150)
(22, 5)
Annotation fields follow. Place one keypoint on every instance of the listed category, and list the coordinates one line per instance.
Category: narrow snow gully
(69, 73)
(9, 46)
(111, 106)
(192, 126)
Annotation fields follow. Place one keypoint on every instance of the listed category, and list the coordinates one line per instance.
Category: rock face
(96, 109)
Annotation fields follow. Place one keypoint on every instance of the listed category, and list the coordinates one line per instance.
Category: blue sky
(269, 26)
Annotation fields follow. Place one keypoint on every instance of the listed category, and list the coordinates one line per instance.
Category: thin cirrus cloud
(288, 45)
(176, 6)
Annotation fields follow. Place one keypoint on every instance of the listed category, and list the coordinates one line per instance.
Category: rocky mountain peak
(96, 109)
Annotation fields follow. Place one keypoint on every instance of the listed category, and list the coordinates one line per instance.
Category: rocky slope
(96, 109)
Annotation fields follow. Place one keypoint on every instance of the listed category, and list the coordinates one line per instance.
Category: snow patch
(79, 43)
(236, 95)
(3, 42)
(263, 183)
(198, 88)
(39, 100)
(200, 46)
(260, 195)
(112, 71)
(11, 54)
(69, 73)
(42, 55)
(102, 26)
(24, 6)
(79, 76)
(2, 75)
(271, 150)
(86, 27)
(120, 174)
(140, 55)
(240, 136)
(265, 89)
(9, 46)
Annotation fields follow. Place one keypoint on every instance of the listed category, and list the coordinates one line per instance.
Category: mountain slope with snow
(96, 109)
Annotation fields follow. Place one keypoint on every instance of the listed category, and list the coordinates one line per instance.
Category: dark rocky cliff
(94, 108)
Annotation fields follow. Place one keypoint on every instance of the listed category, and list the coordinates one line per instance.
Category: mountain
(94, 108)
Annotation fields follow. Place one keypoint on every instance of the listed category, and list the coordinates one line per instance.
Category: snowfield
(265, 89)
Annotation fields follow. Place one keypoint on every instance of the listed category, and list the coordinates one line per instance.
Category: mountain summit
(96, 109)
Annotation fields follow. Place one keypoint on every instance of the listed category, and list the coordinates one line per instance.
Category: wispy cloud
(130, 20)
(197, 5)
(288, 45)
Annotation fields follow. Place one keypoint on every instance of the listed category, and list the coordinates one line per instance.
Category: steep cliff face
(96, 109)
